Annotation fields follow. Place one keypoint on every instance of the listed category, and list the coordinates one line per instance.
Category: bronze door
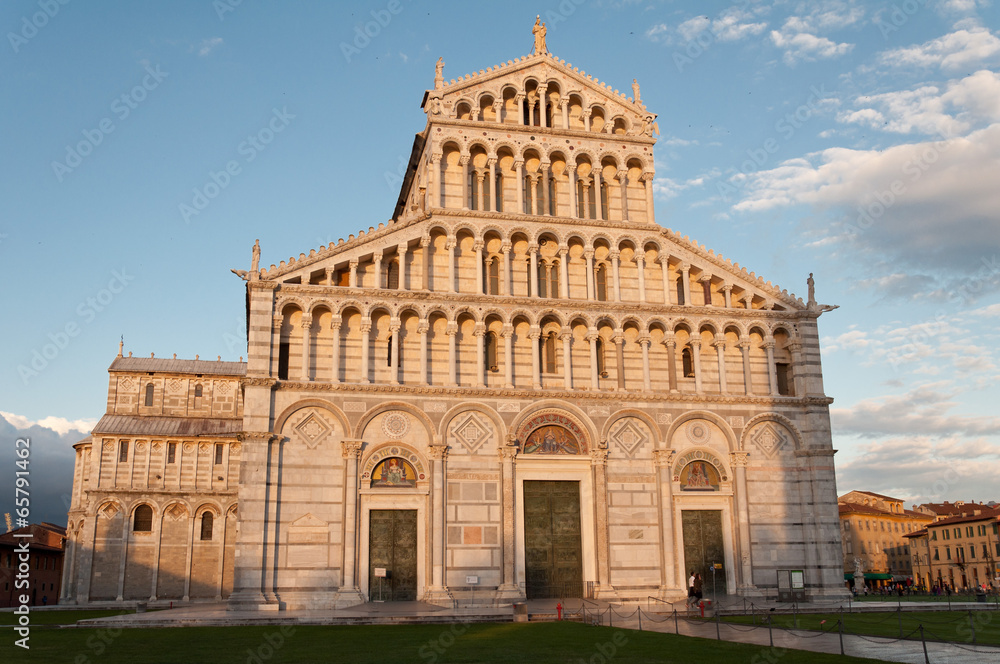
(392, 544)
(553, 559)
(703, 548)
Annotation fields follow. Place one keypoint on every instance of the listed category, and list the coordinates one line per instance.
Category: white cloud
(965, 48)
(208, 45)
(800, 35)
(60, 425)
(806, 47)
(731, 25)
(923, 410)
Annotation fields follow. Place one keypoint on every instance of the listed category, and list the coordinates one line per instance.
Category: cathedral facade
(520, 386)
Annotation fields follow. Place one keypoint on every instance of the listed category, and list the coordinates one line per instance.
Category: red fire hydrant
(559, 610)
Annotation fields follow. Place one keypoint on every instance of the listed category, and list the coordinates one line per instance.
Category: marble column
(306, 343)
(616, 290)
(508, 589)
(772, 373)
(508, 351)
(507, 280)
(620, 356)
(669, 578)
(519, 185)
(599, 464)
(437, 592)
(671, 345)
(534, 335)
(588, 255)
(394, 328)
(491, 200)
(665, 271)
(353, 278)
(738, 460)
(545, 173)
(377, 261)
(595, 378)
(366, 328)
(727, 291)
(477, 248)
(564, 107)
(567, 339)
(435, 179)
(571, 173)
(564, 273)
(533, 254)
(450, 248)
(647, 179)
(640, 266)
(686, 283)
(479, 334)
(423, 327)
(599, 193)
(623, 181)
(252, 530)
(747, 376)
(335, 325)
(452, 331)
(646, 382)
(695, 343)
(720, 348)
(464, 163)
(401, 253)
(586, 119)
(425, 267)
(349, 593)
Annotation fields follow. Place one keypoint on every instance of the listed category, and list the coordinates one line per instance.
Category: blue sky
(858, 141)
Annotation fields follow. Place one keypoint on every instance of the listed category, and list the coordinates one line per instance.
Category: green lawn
(564, 643)
(938, 625)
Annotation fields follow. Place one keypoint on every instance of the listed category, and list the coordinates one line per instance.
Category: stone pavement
(594, 612)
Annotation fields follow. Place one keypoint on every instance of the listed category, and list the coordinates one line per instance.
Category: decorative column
(544, 173)
(394, 327)
(706, 288)
(519, 187)
(353, 279)
(595, 378)
(329, 276)
(664, 259)
(620, 356)
(349, 593)
(727, 291)
(251, 547)
(695, 343)
(533, 193)
(464, 163)
(377, 260)
(567, 339)
(533, 254)
(646, 383)
(450, 247)
(434, 179)
(507, 280)
(585, 114)
(571, 173)
(491, 204)
(508, 589)
(306, 334)
(423, 327)
(585, 211)
(276, 324)
(669, 583)
(647, 179)
(498, 110)
(452, 331)
(542, 105)
(720, 348)
(564, 273)
(747, 376)
(477, 248)
(599, 464)
(564, 107)
(623, 181)
(480, 194)
(686, 283)
(519, 100)
(534, 334)
(335, 327)
(617, 290)
(798, 380)
(671, 345)
(772, 373)
(738, 460)
(478, 333)
(401, 253)
(507, 333)
(366, 328)
(599, 194)
(437, 592)
(425, 268)
(588, 255)
(640, 265)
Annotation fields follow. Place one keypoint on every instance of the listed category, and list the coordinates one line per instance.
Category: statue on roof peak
(539, 31)
(439, 74)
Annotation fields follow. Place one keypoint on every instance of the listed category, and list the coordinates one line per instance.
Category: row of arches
(547, 350)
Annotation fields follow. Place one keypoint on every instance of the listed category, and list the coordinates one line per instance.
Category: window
(122, 451)
(681, 295)
(283, 351)
(986, 550)
(171, 452)
(785, 385)
(493, 276)
(687, 363)
(149, 394)
(947, 552)
(549, 350)
(490, 348)
(539, 200)
(934, 535)
(218, 454)
(554, 280)
(498, 190)
(937, 555)
(848, 546)
(388, 351)
(972, 551)
(206, 526)
(473, 190)
(199, 391)
(602, 370)
(142, 520)
(543, 280)
(601, 282)
(392, 275)
(604, 200)
(968, 531)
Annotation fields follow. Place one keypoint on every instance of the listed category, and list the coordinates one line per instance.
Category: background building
(962, 552)
(520, 386)
(45, 560)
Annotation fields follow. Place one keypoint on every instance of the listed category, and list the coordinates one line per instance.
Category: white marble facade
(521, 317)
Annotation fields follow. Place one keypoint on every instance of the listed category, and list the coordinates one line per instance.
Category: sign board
(798, 580)
(380, 572)
(472, 580)
(718, 565)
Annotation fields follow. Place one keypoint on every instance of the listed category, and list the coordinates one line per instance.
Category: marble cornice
(363, 389)
(478, 126)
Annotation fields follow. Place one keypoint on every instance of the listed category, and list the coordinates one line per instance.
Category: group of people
(694, 590)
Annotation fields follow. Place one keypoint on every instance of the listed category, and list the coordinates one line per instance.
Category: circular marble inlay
(395, 425)
(698, 432)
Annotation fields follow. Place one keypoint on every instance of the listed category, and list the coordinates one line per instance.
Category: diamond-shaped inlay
(174, 385)
(222, 388)
(110, 511)
(768, 438)
(176, 512)
(628, 437)
(472, 432)
(313, 429)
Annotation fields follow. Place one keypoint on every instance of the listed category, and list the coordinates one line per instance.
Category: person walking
(690, 599)
(698, 583)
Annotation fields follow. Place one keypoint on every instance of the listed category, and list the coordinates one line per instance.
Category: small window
(554, 280)
(784, 376)
(149, 394)
(123, 451)
(687, 363)
(972, 551)
(283, 352)
(543, 280)
(490, 347)
(602, 370)
(549, 351)
(392, 275)
(499, 193)
(207, 521)
(473, 190)
(388, 351)
(601, 282)
(199, 391)
(218, 454)
(604, 200)
(681, 296)
(142, 521)
(171, 452)
(493, 276)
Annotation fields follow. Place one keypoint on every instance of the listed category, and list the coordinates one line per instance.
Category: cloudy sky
(859, 141)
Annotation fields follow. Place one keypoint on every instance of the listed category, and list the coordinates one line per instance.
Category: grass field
(938, 625)
(561, 643)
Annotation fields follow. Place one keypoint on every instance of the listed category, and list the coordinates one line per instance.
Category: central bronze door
(553, 560)
(703, 549)
(392, 545)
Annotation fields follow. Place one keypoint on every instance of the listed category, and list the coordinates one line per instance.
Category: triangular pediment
(308, 521)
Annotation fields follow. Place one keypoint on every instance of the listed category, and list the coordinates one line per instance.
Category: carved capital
(351, 449)
(614, 254)
(507, 452)
(663, 458)
(425, 241)
(255, 437)
(437, 452)
(599, 457)
(685, 267)
(739, 459)
(307, 321)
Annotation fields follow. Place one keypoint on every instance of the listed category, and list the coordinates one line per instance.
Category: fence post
(610, 618)
(677, 629)
(972, 625)
(718, 620)
(899, 614)
(770, 632)
(840, 626)
(639, 610)
(927, 660)
(795, 615)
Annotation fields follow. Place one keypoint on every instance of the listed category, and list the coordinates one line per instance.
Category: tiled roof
(879, 495)
(166, 365)
(132, 425)
(987, 514)
(917, 533)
